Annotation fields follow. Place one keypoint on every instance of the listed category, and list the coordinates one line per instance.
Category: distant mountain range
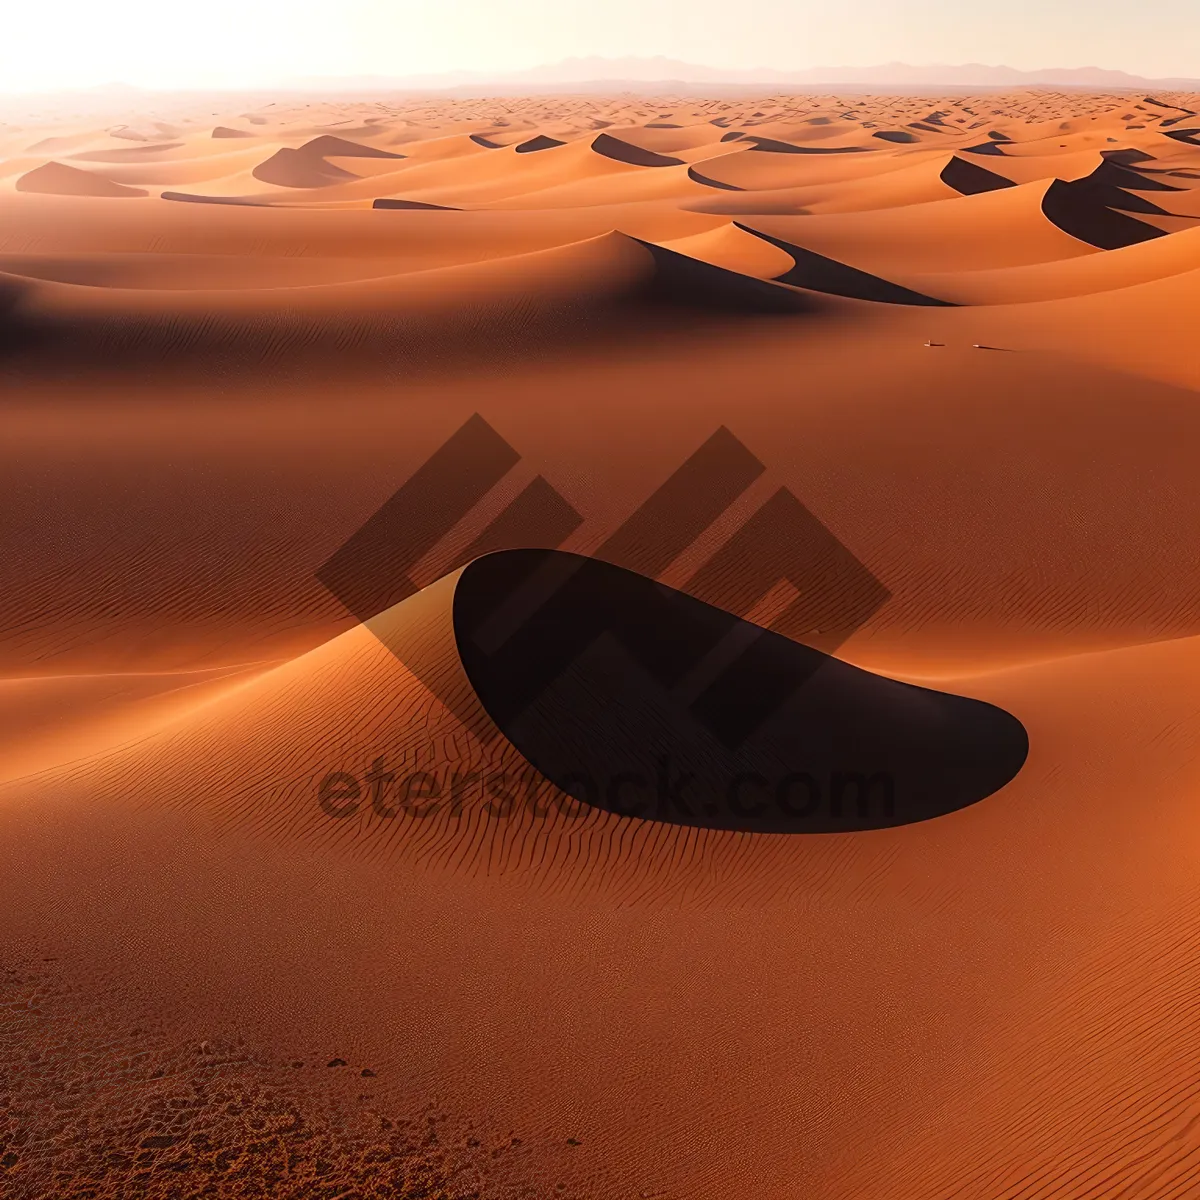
(592, 74)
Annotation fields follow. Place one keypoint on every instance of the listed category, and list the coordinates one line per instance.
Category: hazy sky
(160, 43)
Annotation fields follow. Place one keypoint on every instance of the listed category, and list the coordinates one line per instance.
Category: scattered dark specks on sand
(367, 1073)
(336, 1062)
(574, 1142)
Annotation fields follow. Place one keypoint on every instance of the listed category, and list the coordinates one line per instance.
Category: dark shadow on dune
(480, 140)
(307, 167)
(681, 282)
(223, 131)
(191, 198)
(1114, 173)
(820, 274)
(1085, 209)
(1164, 104)
(732, 135)
(1126, 157)
(635, 156)
(1187, 136)
(627, 694)
(970, 179)
(900, 136)
(299, 169)
(58, 179)
(17, 335)
(993, 148)
(773, 146)
(541, 142)
(391, 202)
(696, 177)
(328, 146)
(667, 297)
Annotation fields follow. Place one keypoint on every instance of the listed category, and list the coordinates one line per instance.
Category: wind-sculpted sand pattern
(315, 884)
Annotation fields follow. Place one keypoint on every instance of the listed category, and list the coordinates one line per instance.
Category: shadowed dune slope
(820, 274)
(59, 179)
(610, 686)
(969, 178)
(490, 310)
(299, 169)
(626, 152)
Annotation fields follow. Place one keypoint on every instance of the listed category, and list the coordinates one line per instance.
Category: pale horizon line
(847, 76)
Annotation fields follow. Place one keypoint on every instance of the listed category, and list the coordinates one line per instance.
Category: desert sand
(961, 330)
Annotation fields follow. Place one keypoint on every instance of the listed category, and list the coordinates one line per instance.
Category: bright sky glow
(239, 43)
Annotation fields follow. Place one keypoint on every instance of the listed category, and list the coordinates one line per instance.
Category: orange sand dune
(319, 863)
(1134, 264)
(59, 179)
(1004, 228)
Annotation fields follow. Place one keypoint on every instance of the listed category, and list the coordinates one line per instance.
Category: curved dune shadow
(306, 167)
(993, 148)
(58, 179)
(191, 198)
(541, 142)
(820, 274)
(634, 156)
(643, 701)
(1120, 173)
(970, 179)
(299, 169)
(696, 177)
(680, 282)
(1126, 156)
(329, 146)
(774, 146)
(900, 136)
(396, 202)
(1086, 209)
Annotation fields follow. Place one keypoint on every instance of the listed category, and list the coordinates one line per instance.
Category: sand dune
(1003, 228)
(60, 179)
(600, 647)
(627, 152)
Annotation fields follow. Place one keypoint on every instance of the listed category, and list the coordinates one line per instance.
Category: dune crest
(60, 179)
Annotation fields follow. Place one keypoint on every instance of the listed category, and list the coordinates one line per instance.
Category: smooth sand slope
(297, 905)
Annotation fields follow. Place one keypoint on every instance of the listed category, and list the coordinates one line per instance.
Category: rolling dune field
(394, 490)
